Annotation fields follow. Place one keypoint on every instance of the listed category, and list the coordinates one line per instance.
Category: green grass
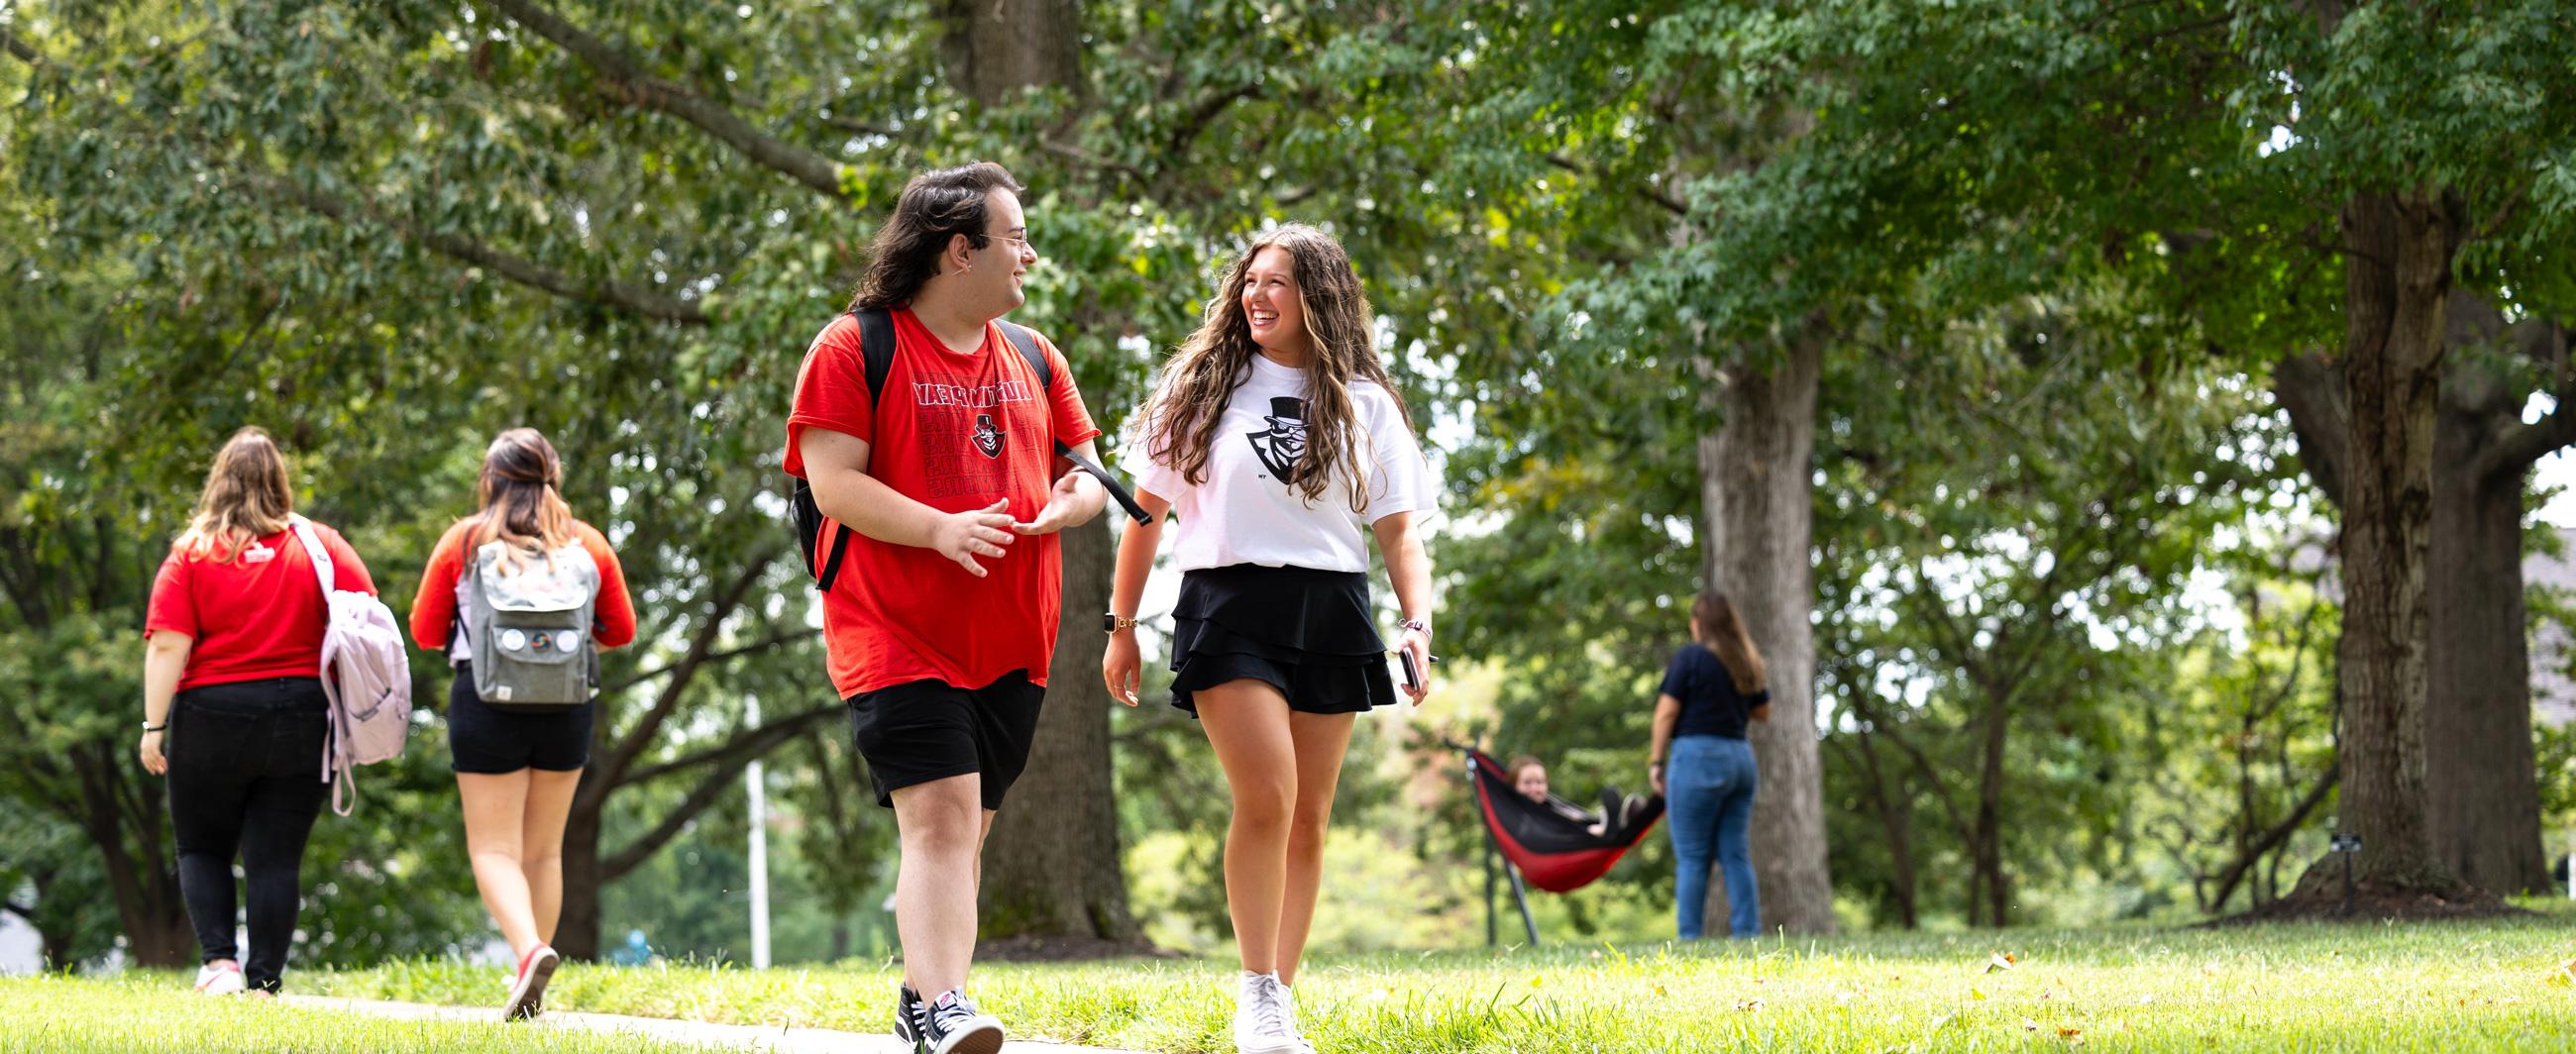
(157, 1012)
(2483, 986)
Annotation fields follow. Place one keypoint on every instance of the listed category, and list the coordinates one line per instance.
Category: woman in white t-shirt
(1277, 436)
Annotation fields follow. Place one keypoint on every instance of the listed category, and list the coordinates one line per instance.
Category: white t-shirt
(1245, 512)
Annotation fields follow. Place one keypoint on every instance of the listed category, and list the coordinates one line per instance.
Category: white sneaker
(1289, 994)
(222, 977)
(1263, 1021)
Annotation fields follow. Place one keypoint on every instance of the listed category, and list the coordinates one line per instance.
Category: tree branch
(2272, 839)
(774, 640)
(1203, 114)
(701, 645)
(2312, 391)
(633, 855)
(1671, 204)
(743, 747)
(639, 300)
(638, 88)
(26, 52)
(2517, 447)
(1088, 159)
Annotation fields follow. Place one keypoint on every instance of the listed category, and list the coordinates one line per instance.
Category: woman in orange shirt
(517, 764)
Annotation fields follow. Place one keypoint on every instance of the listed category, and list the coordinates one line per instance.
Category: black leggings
(246, 777)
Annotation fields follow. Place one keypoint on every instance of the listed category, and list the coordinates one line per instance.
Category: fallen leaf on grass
(1999, 961)
(2028, 1025)
(1749, 1005)
(1976, 993)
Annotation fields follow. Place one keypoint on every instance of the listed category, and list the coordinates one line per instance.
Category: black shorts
(496, 741)
(1311, 634)
(921, 731)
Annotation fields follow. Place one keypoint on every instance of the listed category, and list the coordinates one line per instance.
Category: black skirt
(1308, 633)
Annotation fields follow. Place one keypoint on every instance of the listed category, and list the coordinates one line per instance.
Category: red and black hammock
(1549, 844)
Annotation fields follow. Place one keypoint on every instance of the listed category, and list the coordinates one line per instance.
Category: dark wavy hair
(934, 206)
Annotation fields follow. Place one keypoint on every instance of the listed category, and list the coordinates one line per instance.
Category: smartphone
(1412, 673)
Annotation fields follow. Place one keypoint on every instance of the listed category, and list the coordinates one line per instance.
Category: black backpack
(876, 349)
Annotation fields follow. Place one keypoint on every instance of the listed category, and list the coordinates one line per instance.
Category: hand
(1418, 644)
(150, 750)
(1063, 507)
(1119, 666)
(1655, 778)
(963, 536)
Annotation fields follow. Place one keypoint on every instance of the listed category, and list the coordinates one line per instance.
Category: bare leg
(541, 831)
(495, 810)
(939, 825)
(1247, 721)
(1321, 741)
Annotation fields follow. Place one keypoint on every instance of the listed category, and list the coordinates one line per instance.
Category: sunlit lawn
(2451, 987)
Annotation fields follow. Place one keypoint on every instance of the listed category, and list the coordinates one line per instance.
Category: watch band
(1111, 623)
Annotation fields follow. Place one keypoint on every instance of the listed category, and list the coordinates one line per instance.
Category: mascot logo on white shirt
(1284, 445)
(988, 438)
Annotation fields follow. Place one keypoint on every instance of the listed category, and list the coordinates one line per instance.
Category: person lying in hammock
(1618, 815)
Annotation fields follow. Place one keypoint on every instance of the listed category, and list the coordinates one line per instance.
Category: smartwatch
(1111, 623)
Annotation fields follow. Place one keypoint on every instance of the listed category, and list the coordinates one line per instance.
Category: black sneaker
(907, 1017)
(952, 1025)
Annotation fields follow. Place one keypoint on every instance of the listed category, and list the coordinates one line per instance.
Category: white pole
(759, 851)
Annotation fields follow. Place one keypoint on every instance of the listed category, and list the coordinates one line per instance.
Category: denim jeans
(246, 778)
(1708, 794)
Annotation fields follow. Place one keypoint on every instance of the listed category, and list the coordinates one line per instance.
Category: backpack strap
(876, 355)
(333, 757)
(876, 349)
(320, 555)
(1027, 343)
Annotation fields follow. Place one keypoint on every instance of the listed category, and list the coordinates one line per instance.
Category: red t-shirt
(956, 432)
(252, 618)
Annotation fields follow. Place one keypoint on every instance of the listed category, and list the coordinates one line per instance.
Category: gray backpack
(527, 622)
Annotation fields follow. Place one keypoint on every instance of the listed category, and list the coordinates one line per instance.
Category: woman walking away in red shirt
(232, 681)
(521, 596)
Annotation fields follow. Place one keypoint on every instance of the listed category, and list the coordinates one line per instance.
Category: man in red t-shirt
(943, 616)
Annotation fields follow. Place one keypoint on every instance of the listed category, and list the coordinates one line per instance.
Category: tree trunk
(2483, 795)
(1052, 867)
(2480, 786)
(146, 889)
(2397, 280)
(1896, 817)
(1757, 498)
(1989, 843)
(577, 928)
(995, 48)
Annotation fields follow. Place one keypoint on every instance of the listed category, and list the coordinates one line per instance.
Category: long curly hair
(246, 498)
(1182, 415)
(520, 497)
(934, 207)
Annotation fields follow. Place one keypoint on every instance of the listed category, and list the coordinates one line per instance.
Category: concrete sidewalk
(735, 1037)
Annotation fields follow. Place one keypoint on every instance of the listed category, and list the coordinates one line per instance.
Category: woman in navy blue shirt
(1712, 690)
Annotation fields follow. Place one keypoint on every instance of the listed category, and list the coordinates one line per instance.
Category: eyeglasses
(1023, 239)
